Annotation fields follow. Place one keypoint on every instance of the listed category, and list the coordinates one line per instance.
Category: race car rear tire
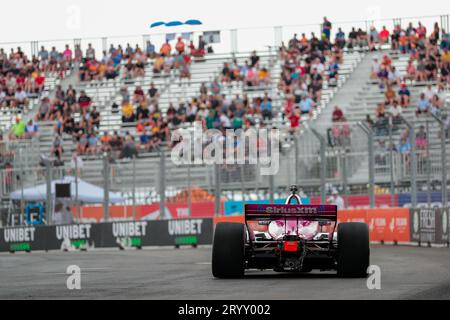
(353, 250)
(228, 250)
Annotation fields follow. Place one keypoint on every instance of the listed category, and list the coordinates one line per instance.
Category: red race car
(290, 238)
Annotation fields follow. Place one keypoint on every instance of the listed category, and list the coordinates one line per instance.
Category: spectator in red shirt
(84, 101)
(421, 31)
(384, 35)
(338, 115)
(294, 118)
(289, 105)
(139, 95)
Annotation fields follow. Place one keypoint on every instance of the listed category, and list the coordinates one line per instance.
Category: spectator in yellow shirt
(128, 112)
(158, 64)
(445, 56)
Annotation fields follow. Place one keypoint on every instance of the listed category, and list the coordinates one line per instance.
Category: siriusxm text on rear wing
(290, 209)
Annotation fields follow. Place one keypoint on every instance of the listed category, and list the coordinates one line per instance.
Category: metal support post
(217, 190)
(443, 161)
(162, 183)
(48, 178)
(323, 165)
(77, 205)
(412, 140)
(344, 177)
(428, 160)
(391, 162)
(369, 132)
(106, 187)
(134, 188)
(189, 190)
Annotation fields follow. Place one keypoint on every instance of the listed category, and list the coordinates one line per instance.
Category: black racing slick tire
(353, 250)
(228, 250)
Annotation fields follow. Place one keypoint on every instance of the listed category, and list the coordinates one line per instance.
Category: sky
(68, 19)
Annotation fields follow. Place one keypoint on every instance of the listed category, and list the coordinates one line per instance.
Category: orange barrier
(387, 224)
(95, 214)
(148, 212)
(237, 219)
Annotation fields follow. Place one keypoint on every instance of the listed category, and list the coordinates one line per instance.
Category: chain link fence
(352, 158)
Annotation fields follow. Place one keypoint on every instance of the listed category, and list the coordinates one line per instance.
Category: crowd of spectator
(20, 78)
(429, 61)
(429, 56)
(75, 113)
(130, 62)
(339, 135)
(251, 73)
(211, 107)
(306, 64)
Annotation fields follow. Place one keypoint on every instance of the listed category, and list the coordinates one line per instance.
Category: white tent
(87, 193)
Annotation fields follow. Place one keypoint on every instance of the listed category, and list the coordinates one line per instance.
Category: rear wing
(289, 211)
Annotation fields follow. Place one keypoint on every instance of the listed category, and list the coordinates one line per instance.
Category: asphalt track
(162, 273)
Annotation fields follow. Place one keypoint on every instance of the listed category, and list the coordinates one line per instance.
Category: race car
(290, 238)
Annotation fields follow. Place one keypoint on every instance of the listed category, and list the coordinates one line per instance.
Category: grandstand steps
(352, 87)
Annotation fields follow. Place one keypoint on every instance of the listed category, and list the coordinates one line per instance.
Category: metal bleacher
(173, 90)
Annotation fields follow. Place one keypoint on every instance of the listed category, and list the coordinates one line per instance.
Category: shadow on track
(254, 274)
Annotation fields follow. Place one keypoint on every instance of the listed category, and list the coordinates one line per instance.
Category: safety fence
(424, 226)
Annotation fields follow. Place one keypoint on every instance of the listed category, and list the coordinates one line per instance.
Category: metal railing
(232, 40)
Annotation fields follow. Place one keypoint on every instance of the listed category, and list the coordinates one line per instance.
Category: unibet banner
(26, 238)
(120, 234)
(72, 236)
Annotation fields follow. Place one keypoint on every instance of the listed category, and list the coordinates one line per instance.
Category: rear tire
(353, 250)
(228, 250)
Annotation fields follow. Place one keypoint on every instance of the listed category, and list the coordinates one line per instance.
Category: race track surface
(162, 273)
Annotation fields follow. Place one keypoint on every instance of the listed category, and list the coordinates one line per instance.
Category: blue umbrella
(157, 24)
(174, 24)
(193, 22)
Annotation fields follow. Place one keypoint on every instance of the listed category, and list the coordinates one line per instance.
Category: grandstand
(142, 179)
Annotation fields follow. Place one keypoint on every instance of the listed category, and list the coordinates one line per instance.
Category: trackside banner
(23, 238)
(430, 225)
(74, 236)
(123, 234)
(424, 225)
